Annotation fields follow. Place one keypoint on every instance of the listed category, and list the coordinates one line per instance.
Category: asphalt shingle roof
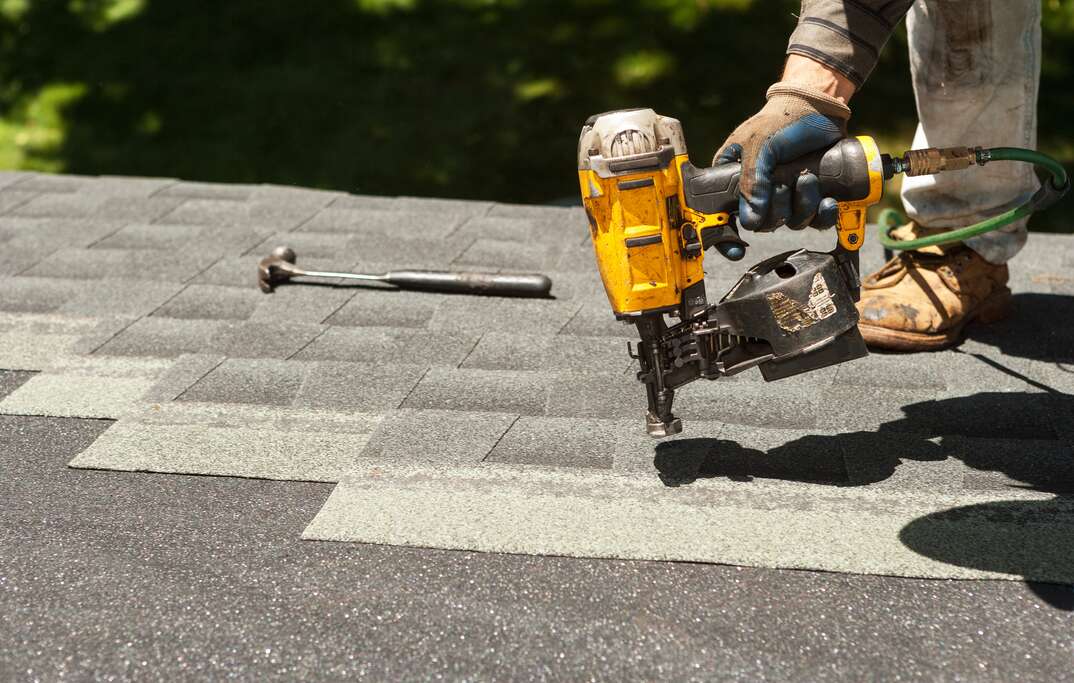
(506, 424)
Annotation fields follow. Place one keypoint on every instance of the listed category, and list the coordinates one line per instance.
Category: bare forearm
(806, 72)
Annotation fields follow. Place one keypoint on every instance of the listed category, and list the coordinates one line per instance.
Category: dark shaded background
(457, 98)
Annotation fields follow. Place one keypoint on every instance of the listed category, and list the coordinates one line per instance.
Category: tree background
(454, 98)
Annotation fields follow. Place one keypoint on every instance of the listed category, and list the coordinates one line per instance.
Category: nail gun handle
(849, 171)
(488, 284)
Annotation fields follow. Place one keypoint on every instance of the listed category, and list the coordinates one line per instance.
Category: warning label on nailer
(792, 316)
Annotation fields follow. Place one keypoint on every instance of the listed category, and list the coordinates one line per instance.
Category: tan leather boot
(922, 300)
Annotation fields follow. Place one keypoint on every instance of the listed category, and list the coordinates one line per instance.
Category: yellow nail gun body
(652, 216)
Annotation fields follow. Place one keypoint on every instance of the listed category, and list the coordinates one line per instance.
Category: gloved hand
(796, 121)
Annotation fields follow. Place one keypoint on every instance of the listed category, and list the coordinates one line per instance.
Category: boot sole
(994, 309)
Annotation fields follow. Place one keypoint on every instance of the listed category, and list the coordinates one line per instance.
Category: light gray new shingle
(253, 381)
(365, 387)
(440, 436)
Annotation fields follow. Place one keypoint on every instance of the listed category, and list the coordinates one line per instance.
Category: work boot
(922, 300)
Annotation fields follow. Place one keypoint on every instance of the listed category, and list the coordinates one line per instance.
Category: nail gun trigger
(726, 240)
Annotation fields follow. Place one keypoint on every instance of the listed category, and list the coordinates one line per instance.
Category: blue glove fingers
(807, 134)
(781, 207)
(806, 201)
(753, 210)
(827, 214)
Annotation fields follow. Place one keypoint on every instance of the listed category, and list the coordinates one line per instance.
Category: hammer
(279, 267)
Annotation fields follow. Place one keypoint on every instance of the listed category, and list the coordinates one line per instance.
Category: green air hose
(1051, 191)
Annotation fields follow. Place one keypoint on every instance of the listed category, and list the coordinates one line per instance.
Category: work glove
(796, 121)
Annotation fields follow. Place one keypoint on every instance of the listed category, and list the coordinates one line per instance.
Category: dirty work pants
(976, 70)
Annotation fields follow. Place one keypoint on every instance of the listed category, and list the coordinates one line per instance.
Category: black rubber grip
(843, 171)
(488, 284)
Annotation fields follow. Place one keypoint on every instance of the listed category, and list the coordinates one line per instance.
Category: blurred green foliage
(459, 98)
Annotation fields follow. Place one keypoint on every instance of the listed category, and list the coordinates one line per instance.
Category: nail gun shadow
(1031, 331)
(1005, 440)
(1030, 539)
(810, 459)
(983, 430)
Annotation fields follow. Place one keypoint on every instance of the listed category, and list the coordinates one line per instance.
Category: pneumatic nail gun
(653, 215)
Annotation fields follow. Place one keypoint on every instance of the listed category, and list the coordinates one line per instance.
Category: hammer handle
(491, 284)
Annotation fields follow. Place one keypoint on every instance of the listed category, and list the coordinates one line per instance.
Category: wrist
(807, 73)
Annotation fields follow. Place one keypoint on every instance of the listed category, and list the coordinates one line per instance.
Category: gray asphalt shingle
(440, 436)
(128, 264)
(524, 393)
(157, 277)
(429, 225)
(253, 381)
(269, 216)
(366, 387)
(389, 345)
(78, 204)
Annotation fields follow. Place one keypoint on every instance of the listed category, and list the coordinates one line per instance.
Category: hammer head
(277, 267)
